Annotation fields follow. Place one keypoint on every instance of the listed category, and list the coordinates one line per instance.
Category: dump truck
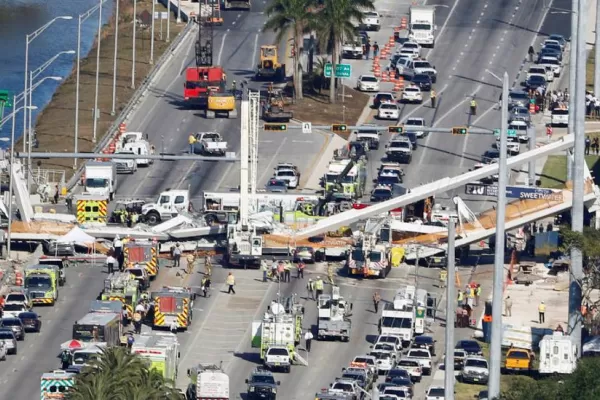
(41, 283)
(122, 287)
(208, 382)
(161, 349)
(54, 385)
(333, 320)
(270, 68)
(173, 304)
(142, 253)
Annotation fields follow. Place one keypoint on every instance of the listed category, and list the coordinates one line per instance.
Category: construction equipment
(123, 287)
(274, 107)
(270, 67)
(173, 305)
(161, 349)
(142, 253)
(333, 319)
(210, 12)
(369, 258)
(41, 283)
(221, 104)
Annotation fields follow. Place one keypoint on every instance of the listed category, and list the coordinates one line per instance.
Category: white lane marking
(458, 104)
(222, 46)
(414, 110)
(268, 168)
(439, 36)
(224, 176)
(254, 52)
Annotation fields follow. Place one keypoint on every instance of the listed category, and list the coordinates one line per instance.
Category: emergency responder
(310, 287)
(69, 202)
(205, 285)
(460, 298)
(207, 266)
(118, 247)
(508, 306)
(301, 267)
(477, 294)
(231, 283)
(111, 263)
(130, 340)
(308, 337)
(137, 322)
(191, 141)
(376, 300)
(140, 308)
(280, 270)
(443, 277)
(287, 269)
(319, 286)
(542, 312)
(177, 256)
(125, 316)
(233, 87)
(190, 258)
(473, 106)
(65, 359)
(432, 96)
(330, 274)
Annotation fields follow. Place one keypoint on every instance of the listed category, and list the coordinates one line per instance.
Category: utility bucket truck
(422, 25)
(334, 316)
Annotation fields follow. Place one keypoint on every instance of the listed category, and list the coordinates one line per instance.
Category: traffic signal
(339, 128)
(396, 129)
(276, 127)
(459, 130)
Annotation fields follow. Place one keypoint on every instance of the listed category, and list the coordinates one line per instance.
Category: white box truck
(422, 25)
(558, 354)
(100, 178)
(208, 382)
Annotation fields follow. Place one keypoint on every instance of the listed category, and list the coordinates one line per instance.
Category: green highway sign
(509, 132)
(341, 70)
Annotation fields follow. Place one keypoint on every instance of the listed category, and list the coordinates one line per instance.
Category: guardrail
(134, 101)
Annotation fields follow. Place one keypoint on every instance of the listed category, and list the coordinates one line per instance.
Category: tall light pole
(178, 12)
(95, 129)
(169, 21)
(82, 18)
(114, 89)
(28, 39)
(450, 315)
(12, 160)
(498, 285)
(133, 56)
(597, 52)
(29, 137)
(576, 275)
(572, 83)
(152, 32)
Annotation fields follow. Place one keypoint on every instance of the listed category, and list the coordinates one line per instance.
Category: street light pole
(572, 83)
(28, 39)
(498, 285)
(178, 12)
(597, 52)
(114, 93)
(576, 275)
(97, 72)
(152, 32)
(169, 21)
(450, 315)
(133, 56)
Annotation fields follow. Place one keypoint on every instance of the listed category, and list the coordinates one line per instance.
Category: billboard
(515, 192)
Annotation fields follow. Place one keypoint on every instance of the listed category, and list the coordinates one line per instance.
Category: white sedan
(367, 83)
(412, 94)
(388, 111)
(414, 47)
(289, 176)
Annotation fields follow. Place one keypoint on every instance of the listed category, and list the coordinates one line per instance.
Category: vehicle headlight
(252, 388)
(273, 390)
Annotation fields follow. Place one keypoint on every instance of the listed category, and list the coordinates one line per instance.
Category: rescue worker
(111, 262)
(477, 294)
(308, 337)
(471, 296)
(460, 297)
(191, 141)
(542, 312)
(233, 87)
(432, 96)
(330, 273)
(231, 283)
(177, 256)
(287, 269)
(319, 286)
(173, 327)
(190, 258)
(376, 300)
(137, 322)
(65, 359)
(443, 277)
(310, 287)
(301, 267)
(205, 285)
(280, 275)
(69, 202)
(207, 266)
(130, 340)
(118, 247)
(473, 106)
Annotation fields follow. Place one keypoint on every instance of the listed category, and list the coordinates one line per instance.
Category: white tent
(77, 236)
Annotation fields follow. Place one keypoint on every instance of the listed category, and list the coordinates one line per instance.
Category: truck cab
(100, 178)
(167, 206)
(41, 283)
(262, 385)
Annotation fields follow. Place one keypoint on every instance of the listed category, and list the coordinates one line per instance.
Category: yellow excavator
(270, 68)
(221, 104)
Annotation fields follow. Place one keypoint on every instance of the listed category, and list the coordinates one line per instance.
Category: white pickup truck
(210, 143)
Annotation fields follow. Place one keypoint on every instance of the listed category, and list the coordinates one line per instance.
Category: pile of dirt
(55, 126)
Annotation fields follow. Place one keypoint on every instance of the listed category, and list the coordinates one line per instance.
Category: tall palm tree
(120, 375)
(287, 17)
(337, 21)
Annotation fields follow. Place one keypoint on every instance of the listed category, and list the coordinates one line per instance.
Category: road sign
(509, 132)
(341, 70)
(307, 127)
(515, 192)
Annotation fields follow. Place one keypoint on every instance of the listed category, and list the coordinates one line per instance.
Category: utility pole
(133, 51)
(498, 286)
(152, 31)
(169, 20)
(95, 129)
(572, 73)
(596, 51)
(578, 167)
(450, 315)
(114, 93)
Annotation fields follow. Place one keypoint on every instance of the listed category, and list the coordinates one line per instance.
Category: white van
(140, 147)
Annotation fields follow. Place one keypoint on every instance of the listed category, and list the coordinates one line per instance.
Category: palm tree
(337, 21)
(293, 17)
(120, 375)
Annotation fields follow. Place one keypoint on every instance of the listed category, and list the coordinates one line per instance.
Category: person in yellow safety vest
(191, 141)
(443, 276)
(473, 106)
(542, 312)
(319, 286)
(460, 297)
(207, 266)
(287, 272)
(330, 274)
(231, 283)
(432, 96)
(477, 294)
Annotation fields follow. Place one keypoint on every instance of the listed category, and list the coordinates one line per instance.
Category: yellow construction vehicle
(274, 107)
(269, 67)
(222, 104)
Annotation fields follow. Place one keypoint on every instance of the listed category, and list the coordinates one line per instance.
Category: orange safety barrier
(122, 128)
(399, 85)
(391, 41)
(376, 68)
(403, 23)
(531, 108)
(112, 146)
(397, 29)
(19, 278)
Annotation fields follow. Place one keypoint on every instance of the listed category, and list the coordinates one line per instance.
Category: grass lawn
(554, 174)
